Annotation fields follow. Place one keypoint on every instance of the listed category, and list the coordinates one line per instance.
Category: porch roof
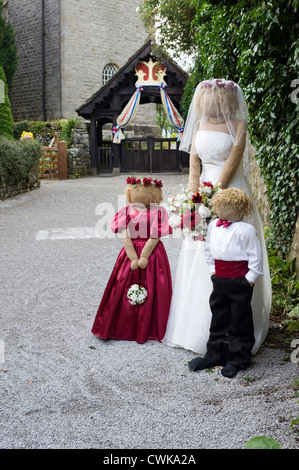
(107, 103)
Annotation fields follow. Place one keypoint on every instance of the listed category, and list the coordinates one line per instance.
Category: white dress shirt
(238, 242)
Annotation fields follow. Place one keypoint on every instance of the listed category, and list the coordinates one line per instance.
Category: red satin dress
(116, 317)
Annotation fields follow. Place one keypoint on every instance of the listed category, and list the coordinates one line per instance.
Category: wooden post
(62, 160)
(116, 154)
(93, 145)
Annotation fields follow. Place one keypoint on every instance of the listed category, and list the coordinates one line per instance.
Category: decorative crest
(150, 73)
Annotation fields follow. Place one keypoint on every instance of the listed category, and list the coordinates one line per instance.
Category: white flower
(136, 294)
(204, 212)
(184, 203)
(174, 220)
(207, 189)
(186, 206)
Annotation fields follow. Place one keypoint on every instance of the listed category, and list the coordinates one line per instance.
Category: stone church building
(67, 50)
(79, 58)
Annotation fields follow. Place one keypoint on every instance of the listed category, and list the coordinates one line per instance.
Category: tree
(172, 19)
(166, 128)
(6, 120)
(8, 50)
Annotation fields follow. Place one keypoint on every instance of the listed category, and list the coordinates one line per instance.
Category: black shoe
(230, 371)
(200, 363)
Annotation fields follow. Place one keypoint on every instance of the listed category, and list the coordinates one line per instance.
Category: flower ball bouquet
(137, 294)
(191, 212)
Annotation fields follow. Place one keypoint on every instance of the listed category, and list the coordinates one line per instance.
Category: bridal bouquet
(137, 294)
(192, 212)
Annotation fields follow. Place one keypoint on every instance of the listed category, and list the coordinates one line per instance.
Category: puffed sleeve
(252, 247)
(159, 223)
(120, 220)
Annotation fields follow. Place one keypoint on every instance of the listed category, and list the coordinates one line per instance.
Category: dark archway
(107, 104)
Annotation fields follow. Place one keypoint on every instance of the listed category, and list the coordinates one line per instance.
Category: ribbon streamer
(127, 116)
(173, 116)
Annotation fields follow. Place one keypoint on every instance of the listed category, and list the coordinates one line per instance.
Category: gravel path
(62, 388)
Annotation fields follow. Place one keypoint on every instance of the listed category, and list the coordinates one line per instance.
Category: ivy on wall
(8, 49)
(6, 119)
(255, 44)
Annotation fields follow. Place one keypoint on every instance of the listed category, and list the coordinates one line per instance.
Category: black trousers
(231, 322)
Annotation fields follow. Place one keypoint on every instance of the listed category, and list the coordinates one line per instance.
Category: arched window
(108, 72)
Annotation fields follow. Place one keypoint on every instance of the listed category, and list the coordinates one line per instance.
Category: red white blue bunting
(129, 112)
(172, 113)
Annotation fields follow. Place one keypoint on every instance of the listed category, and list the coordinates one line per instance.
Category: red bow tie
(225, 223)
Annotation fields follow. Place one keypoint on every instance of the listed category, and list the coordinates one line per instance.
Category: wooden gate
(53, 163)
(150, 155)
(104, 159)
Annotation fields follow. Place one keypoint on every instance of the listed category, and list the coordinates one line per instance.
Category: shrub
(6, 120)
(28, 126)
(67, 128)
(8, 49)
(17, 158)
(44, 131)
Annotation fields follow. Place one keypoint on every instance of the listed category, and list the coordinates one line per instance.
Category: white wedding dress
(190, 315)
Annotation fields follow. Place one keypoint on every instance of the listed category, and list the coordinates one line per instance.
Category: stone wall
(294, 249)
(53, 59)
(9, 189)
(258, 189)
(94, 34)
(257, 186)
(27, 93)
(80, 39)
(78, 155)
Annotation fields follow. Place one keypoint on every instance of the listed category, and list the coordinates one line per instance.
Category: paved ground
(62, 388)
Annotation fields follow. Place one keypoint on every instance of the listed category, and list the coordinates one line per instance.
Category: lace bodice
(212, 148)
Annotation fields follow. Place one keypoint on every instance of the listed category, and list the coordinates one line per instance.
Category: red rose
(158, 183)
(197, 198)
(147, 181)
(133, 180)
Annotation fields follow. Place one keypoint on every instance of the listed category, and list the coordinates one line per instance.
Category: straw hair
(144, 194)
(228, 97)
(232, 199)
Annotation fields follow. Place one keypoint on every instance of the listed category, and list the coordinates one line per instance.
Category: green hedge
(6, 119)
(17, 158)
(45, 130)
(36, 127)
